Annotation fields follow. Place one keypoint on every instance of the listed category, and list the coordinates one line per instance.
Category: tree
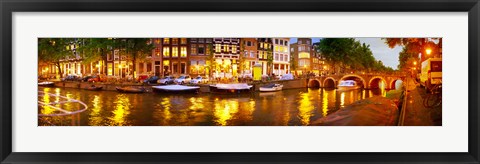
(54, 50)
(269, 61)
(137, 49)
(414, 46)
(95, 49)
(337, 50)
(211, 64)
(241, 58)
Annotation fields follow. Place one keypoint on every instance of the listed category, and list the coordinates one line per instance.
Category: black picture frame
(7, 7)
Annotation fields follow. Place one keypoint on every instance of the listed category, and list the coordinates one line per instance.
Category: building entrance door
(157, 70)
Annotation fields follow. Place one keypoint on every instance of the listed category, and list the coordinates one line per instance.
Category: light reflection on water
(287, 107)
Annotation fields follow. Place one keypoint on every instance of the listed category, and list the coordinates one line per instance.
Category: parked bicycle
(434, 96)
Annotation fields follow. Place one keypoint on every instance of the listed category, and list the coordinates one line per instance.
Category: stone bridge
(367, 81)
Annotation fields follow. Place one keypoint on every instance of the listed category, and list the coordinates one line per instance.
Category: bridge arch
(329, 82)
(393, 83)
(374, 82)
(352, 76)
(313, 83)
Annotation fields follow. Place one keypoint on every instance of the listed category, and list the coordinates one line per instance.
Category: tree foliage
(54, 50)
(350, 55)
(412, 47)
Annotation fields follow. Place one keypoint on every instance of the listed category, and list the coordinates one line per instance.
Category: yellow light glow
(95, 118)
(342, 99)
(305, 109)
(324, 104)
(224, 111)
(428, 51)
(122, 110)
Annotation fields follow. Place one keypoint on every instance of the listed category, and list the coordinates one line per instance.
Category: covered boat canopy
(176, 87)
(271, 85)
(237, 86)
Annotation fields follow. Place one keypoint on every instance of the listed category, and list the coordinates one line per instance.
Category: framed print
(239, 81)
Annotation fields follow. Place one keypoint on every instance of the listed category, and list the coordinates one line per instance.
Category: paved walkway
(416, 114)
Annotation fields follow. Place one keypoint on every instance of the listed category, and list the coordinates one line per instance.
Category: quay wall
(287, 84)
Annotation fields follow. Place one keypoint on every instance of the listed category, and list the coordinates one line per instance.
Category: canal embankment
(287, 84)
(373, 111)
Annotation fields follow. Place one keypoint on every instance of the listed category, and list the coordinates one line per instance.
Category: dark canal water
(283, 108)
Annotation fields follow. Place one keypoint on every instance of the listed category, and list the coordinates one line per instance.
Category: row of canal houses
(189, 56)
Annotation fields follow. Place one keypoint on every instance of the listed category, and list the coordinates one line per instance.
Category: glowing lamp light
(428, 51)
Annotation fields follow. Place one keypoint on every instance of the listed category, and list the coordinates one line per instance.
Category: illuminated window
(304, 55)
(175, 41)
(183, 41)
(225, 48)
(166, 40)
(166, 62)
(157, 51)
(157, 41)
(234, 49)
(218, 48)
(166, 51)
(193, 49)
(276, 48)
(174, 51)
(183, 51)
(261, 45)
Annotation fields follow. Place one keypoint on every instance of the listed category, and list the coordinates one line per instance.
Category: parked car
(166, 80)
(183, 79)
(199, 79)
(85, 78)
(151, 80)
(287, 77)
(97, 78)
(142, 78)
(71, 78)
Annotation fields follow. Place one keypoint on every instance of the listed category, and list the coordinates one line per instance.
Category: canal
(284, 108)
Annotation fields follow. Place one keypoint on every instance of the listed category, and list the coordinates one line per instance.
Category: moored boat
(271, 88)
(46, 84)
(176, 89)
(94, 88)
(131, 89)
(231, 88)
(346, 85)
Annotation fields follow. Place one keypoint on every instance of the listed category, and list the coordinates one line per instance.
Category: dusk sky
(380, 50)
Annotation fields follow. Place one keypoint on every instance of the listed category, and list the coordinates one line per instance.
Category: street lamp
(428, 51)
(305, 68)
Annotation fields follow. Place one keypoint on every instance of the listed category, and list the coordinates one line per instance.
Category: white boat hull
(277, 87)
